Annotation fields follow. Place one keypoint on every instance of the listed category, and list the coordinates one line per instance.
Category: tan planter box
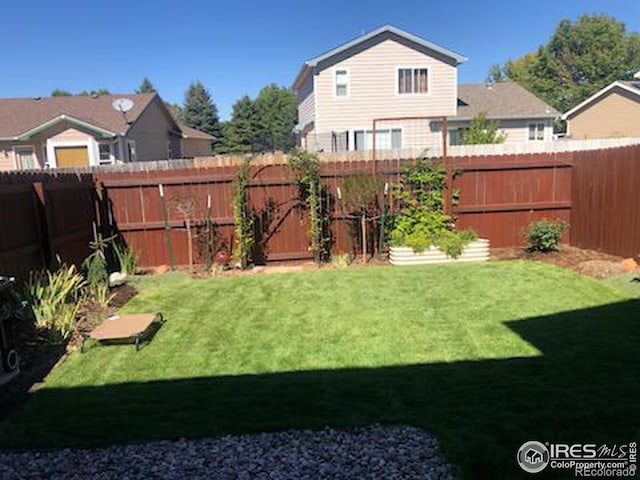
(476, 251)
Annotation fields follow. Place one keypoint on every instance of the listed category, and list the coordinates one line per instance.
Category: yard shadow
(583, 388)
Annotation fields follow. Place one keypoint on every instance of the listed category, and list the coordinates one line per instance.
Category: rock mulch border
(366, 453)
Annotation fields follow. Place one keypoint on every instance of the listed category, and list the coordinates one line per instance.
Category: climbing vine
(244, 235)
(305, 167)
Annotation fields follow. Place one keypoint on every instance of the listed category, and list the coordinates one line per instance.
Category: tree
(482, 131)
(579, 59)
(200, 112)
(277, 111)
(94, 93)
(241, 133)
(496, 74)
(59, 92)
(175, 110)
(146, 86)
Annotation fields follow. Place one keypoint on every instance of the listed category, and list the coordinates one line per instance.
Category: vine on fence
(421, 221)
(305, 166)
(244, 235)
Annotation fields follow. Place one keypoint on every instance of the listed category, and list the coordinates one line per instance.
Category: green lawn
(483, 356)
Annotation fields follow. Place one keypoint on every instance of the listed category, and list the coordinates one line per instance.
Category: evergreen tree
(94, 93)
(59, 92)
(277, 111)
(146, 86)
(175, 110)
(241, 132)
(200, 112)
(482, 131)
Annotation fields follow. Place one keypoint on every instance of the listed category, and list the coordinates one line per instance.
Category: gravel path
(373, 452)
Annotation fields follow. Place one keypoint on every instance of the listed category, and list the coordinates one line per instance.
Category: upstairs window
(536, 131)
(413, 80)
(342, 83)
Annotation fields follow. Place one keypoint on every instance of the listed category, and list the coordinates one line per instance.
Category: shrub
(54, 298)
(544, 235)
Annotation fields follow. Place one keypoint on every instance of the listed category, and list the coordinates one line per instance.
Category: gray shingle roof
(502, 100)
(188, 132)
(19, 115)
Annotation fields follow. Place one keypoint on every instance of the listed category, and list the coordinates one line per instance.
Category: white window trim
(412, 94)
(25, 147)
(45, 155)
(89, 143)
(335, 83)
(535, 126)
(352, 137)
(112, 158)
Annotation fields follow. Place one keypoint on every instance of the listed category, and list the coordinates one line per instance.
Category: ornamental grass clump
(54, 299)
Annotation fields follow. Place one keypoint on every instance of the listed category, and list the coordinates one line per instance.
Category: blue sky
(237, 47)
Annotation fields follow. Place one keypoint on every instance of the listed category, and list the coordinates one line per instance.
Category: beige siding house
(80, 131)
(612, 112)
(408, 85)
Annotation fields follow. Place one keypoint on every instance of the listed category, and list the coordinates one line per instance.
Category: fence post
(43, 224)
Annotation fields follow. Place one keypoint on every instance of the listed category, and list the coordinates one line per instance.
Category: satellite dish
(122, 105)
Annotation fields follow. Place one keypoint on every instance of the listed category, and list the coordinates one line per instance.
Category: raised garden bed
(476, 251)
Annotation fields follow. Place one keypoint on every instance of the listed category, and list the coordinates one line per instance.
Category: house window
(25, 157)
(536, 131)
(131, 151)
(413, 80)
(456, 136)
(169, 149)
(342, 83)
(339, 141)
(386, 139)
(104, 154)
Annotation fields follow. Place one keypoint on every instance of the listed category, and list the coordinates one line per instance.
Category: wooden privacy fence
(498, 200)
(44, 215)
(606, 201)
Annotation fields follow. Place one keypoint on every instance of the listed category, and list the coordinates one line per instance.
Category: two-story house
(408, 85)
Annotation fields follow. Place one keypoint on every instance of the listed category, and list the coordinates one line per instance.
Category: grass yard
(483, 356)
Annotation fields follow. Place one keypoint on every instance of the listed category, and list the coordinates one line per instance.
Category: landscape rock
(365, 453)
(117, 278)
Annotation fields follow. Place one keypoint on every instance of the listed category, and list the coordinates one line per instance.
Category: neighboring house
(519, 114)
(76, 131)
(612, 112)
(391, 74)
(195, 143)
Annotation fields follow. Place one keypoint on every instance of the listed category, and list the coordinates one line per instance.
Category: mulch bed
(587, 262)
(38, 356)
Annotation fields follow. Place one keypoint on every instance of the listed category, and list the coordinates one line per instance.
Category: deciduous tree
(481, 130)
(579, 59)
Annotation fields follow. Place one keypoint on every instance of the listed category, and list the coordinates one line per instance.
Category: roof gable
(375, 36)
(20, 116)
(630, 87)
